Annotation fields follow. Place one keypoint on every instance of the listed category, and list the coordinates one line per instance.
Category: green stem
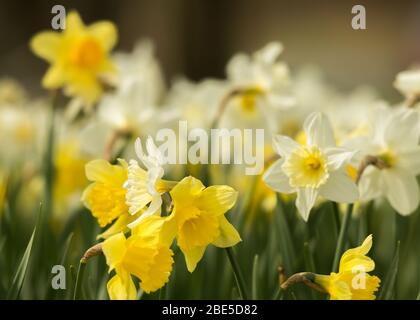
(342, 237)
(49, 159)
(79, 281)
(255, 278)
(240, 282)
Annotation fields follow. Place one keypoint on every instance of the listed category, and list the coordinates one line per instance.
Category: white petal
(153, 174)
(371, 184)
(402, 190)
(337, 157)
(305, 200)
(319, 131)
(410, 160)
(339, 188)
(269, 53)
(284, 145)
(275, 178)
(153, 208)
(403, 129)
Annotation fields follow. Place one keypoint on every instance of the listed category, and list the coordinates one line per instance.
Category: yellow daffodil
(352, 282)
(105, 197)
(69, 166)
(141, 255)
(79, 57)
(198, 219)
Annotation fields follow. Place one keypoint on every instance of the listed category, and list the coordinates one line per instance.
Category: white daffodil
(394, 140)
(408, 83)
(145, 187)
(312, 170)
(262, 83)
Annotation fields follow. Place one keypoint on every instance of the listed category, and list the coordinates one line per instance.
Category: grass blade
(19, 277)
(387, 289)
(255, 278)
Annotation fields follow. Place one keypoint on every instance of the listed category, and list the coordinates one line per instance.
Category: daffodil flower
(352, 282)
(408, 83)
(141, 255)
(78, 57)
(198, 219)
(394, 140)
(105, 196)
(146, 187)
(312, 170)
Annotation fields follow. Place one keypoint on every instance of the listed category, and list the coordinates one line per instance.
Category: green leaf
(285, 241)
(387, 289)
(19, 277)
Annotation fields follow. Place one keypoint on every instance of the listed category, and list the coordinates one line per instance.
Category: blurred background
(196, 38)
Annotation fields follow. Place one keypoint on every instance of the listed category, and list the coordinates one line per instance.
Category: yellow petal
(114, 249)
(216, 200)
(105, 32)
(120, 225)
(184, 193)
(46, 45)
(54, 78)
(102, 171)
(193, 256)
(228, 236)
(74, 24)
(198, 231)
(168, 231)
(121, 287)
(351, 254)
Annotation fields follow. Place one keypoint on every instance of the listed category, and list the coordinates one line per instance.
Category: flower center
(306, 167)
(248, 99)
(86, 54)
(388, 157)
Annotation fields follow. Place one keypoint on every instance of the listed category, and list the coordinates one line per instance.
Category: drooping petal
(193, 256)
(121, 287)
(305, 200)
(276, 179)
(54, 78)
(339, 188)
(402, 190)
(371, 184)
(228, 236)
(319, 131)
(410, 160)
(114, 249)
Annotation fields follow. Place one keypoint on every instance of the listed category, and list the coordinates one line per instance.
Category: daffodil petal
(193, 256)
(105, 32)
(319, 131)
(121, 287)
(284, 145)
(339, 188)
(114, 249)
(305, 200)
(402, 190)
(46, 45)
(216, 200)
(228, 236)
(276, 179)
